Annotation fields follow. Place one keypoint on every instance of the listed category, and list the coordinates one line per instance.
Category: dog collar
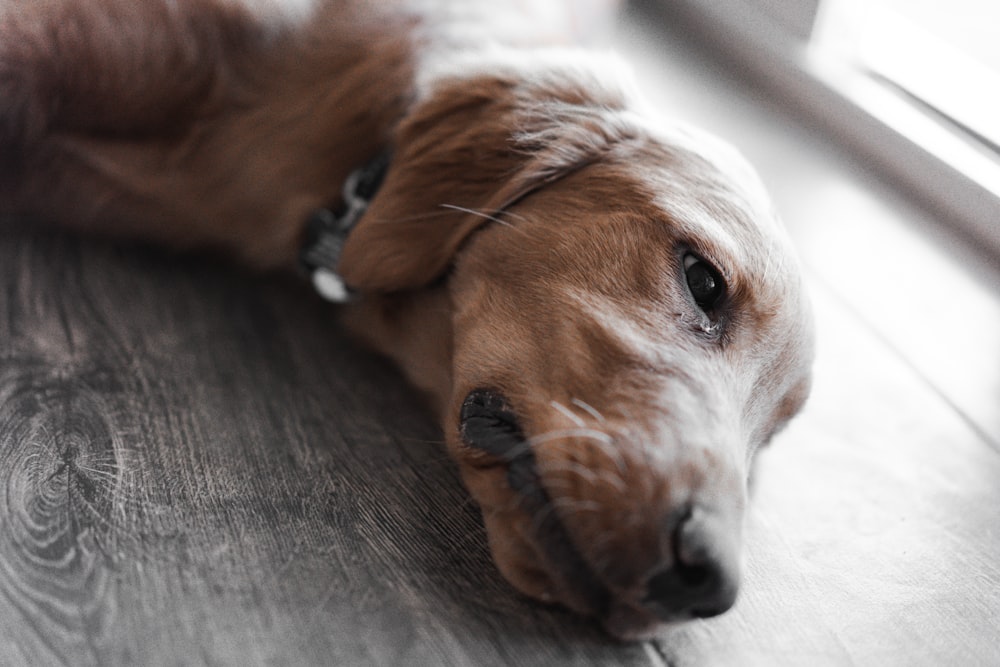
(327, 230)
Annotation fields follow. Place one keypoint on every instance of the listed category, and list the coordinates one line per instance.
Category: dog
(599, 303)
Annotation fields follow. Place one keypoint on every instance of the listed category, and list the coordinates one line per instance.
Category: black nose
(702, 580)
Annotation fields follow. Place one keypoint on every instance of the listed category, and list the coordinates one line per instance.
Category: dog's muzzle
(696, 577)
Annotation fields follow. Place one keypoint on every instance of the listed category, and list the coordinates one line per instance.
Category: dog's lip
(489, 424)
(564, 561)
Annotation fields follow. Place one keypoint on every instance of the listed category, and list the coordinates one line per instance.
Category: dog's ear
(472, 148)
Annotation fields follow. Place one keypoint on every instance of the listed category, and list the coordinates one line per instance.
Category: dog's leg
(190, 122)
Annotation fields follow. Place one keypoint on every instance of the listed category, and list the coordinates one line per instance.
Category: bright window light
(911, 86)
(944, 57)
(928, 69)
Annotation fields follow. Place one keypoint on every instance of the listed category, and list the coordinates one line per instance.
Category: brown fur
(194, 126)
(529, 239)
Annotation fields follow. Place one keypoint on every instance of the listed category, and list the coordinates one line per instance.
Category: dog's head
(627, 328)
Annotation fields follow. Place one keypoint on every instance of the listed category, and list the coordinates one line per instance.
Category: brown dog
(601, 304)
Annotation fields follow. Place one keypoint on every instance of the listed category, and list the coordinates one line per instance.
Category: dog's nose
(703, 578)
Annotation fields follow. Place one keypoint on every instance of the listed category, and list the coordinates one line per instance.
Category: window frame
(934, 161)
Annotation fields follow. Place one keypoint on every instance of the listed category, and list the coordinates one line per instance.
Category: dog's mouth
(488, 424)
(691, 579)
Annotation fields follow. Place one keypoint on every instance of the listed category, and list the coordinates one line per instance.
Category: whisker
(480, 214)
(575, 506)
(590, 475)
(609, 450)
(602, 441)
(569, 413)
(590, 409)
(509, 214)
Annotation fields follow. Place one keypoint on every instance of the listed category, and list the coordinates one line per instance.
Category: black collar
(327, 230)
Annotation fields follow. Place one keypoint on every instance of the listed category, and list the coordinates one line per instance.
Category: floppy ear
(474, 147)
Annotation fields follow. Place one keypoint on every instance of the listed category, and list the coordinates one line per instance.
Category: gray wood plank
(196, 466)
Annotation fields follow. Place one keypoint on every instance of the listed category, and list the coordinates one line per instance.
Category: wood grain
(198, 467)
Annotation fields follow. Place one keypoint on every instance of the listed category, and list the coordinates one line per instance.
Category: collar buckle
(327, 230)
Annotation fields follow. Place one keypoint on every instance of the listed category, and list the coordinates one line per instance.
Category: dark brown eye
(703, 281)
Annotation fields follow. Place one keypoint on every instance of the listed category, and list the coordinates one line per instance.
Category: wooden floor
(196, 467)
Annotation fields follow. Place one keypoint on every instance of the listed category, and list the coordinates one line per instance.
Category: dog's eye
(703, 281)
